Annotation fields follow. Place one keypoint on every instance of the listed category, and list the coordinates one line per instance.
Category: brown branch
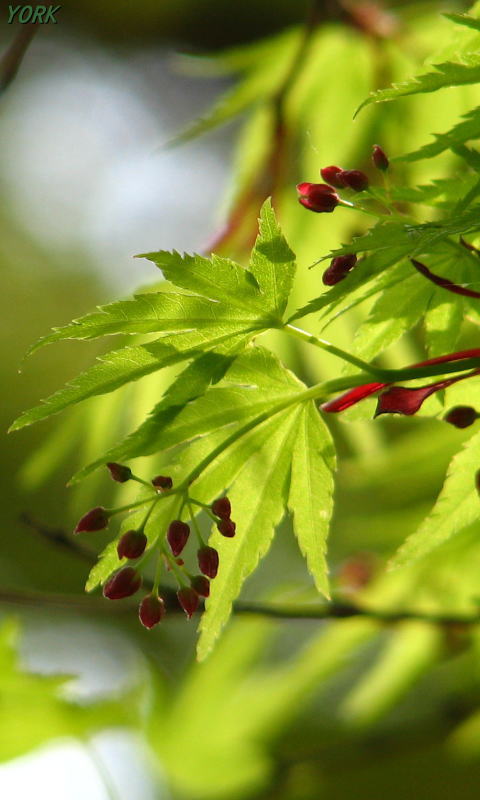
(325, 611)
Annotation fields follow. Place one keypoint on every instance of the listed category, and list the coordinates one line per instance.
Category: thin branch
(336, 609)
(60, 539)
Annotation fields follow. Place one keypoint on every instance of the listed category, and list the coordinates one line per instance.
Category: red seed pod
(124, 583)
(132, 544)
(201, 585)
(94, 520)
(177, 536)
(119, 472)
(226, 527)
(332, 176)
(379, 158)
(222, 508)
(151, 611)
(188, 599)
(318, 197)
(461, 416)
(354, 179)
(162, 482)
(208, 561)
(339, 269)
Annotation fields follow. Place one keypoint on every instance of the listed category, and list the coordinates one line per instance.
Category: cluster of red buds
(407, 401)
(323, 198)
(132, 546)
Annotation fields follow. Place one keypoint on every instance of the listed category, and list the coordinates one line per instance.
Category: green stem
(321, 391)
(145, 483)
(174, 567)
(195, 524)
(305, 336)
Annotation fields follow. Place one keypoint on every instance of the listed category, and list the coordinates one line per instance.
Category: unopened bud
(379, 158)
(226, 527)
(222, 508)
(208, 561)
(201, 585)
(338, 269)
(132, 544)
(331, 175)
(354, 179)
(119, 472)
(177, 536)
(188, 599)
(94, 520)
(124, 583)
(318, 197)
(162, 482)
(151, 611)
(461, 416)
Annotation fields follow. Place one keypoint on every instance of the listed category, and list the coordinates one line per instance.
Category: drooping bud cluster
(134, 546)
(339, 269)
(94, 520)
(379, 158)
(162, 482)
(222, 509)
(322, 197)
(119, 472)
(461, 416)
(318, 197)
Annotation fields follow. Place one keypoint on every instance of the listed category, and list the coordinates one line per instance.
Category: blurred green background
(297, 710)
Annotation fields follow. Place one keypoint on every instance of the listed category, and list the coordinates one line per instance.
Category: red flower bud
(124, 583)
(93, 520)
(177, 536)
(226, 527)
(162, 482)
(339, 269)
(354, 179)
(222, 508)
(332, 176)
(151, 611)
(461, 416)
(201, 585)
(400, 400)
(188, 599)
(379, 158)
(208, 561)
(318, 197)
(119, 472)
(132, 544)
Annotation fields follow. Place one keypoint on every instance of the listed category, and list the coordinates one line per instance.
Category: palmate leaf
(456, 508)
(444, 75)
(118, 368)
(466, 130)
(236, 304)
(259, 496)
(263, 67)
(311, 491)
(251, 384)
(153, 313)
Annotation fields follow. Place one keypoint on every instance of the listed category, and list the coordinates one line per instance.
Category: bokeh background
(282, 710)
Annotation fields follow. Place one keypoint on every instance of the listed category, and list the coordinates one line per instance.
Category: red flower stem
(445, 283)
